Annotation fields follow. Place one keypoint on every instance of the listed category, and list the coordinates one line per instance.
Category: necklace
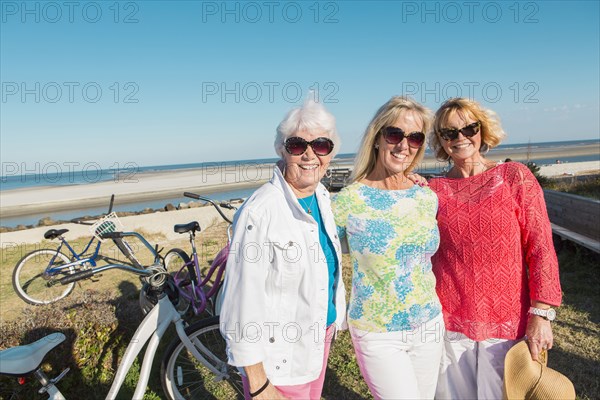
(304, 202)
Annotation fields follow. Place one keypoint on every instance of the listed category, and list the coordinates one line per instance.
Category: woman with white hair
(283, 290)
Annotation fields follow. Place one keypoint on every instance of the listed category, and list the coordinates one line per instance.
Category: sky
(116, 83)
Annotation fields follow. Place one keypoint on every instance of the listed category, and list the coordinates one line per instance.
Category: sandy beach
(143, 186)
(168, 184)
(524, 154)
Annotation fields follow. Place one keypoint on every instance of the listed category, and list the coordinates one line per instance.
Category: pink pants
(310, 390)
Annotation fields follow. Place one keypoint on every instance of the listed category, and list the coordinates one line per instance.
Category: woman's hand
(270, 393)
(539, 335)
(256, 378)
(417, 179)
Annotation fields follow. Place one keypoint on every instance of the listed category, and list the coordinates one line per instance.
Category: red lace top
(496, 254)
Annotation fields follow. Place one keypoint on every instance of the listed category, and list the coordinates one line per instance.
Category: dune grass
(587, 188)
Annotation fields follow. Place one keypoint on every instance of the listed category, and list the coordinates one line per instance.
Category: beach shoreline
(161, 222)
(164, 185)
(150, 186)
(123, 198)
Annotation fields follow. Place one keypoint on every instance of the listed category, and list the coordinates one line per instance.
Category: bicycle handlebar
(81, 222)
(110, 206)
(218, 207)
(227, 206)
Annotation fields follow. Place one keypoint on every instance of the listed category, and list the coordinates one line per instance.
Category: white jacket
(275, 290)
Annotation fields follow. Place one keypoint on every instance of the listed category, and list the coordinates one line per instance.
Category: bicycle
(38, 276)
(187, 274)
(183, 376)
(159, 297)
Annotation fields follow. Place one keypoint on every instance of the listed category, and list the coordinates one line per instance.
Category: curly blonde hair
(366, 157)
(491, 130)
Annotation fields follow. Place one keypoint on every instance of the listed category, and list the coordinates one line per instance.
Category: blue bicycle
(45, 276)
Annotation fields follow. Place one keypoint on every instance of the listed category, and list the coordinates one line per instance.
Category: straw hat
(526, 379)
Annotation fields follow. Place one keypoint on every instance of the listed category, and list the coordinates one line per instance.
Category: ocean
(54, 175)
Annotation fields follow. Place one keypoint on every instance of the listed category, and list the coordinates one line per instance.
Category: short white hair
(311, 117)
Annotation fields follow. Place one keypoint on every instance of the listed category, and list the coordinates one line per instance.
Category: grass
(99, 319)
(577, 329)
(588, 188)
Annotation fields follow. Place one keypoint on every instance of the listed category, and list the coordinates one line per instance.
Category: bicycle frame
(115, 236)
(197, 297)
(150, 331)
(117, 239)
(78, 255)
(50, 271)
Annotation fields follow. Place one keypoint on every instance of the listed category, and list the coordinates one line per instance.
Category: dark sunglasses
(296, 146)
(394, 135)
(467, 131)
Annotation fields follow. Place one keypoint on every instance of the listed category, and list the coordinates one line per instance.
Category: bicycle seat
(54, 233)
(183, 228)
(22, 360)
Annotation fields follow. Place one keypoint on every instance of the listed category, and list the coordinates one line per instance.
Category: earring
(484, 148)
(376, 146)
(448, 166)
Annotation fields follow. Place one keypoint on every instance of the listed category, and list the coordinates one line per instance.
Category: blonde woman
(389, 223)
(496, 268)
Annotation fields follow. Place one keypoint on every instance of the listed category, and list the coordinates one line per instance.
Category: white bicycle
(192, 363)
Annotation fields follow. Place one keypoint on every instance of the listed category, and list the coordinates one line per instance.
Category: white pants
(401, 365)
(470, 369)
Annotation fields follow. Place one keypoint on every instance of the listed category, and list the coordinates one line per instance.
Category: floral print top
(392, 235)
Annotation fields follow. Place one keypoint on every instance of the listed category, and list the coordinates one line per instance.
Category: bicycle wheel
(175, 259)
(31, 282)
(184, 377)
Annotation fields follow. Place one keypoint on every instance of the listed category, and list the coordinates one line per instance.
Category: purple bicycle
(194, 288)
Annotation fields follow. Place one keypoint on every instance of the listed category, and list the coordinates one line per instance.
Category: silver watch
(549, 314)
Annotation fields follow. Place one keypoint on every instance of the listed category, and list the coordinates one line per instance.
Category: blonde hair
(388, 114)
(491, 130)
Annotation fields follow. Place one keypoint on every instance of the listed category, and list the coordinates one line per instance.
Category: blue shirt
(311, 203)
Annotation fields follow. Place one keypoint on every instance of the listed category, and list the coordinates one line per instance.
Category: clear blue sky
(192, 81)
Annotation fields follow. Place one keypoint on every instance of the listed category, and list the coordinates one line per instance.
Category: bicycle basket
(108, 223)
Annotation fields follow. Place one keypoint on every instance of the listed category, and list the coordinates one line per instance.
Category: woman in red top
(496, 268)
